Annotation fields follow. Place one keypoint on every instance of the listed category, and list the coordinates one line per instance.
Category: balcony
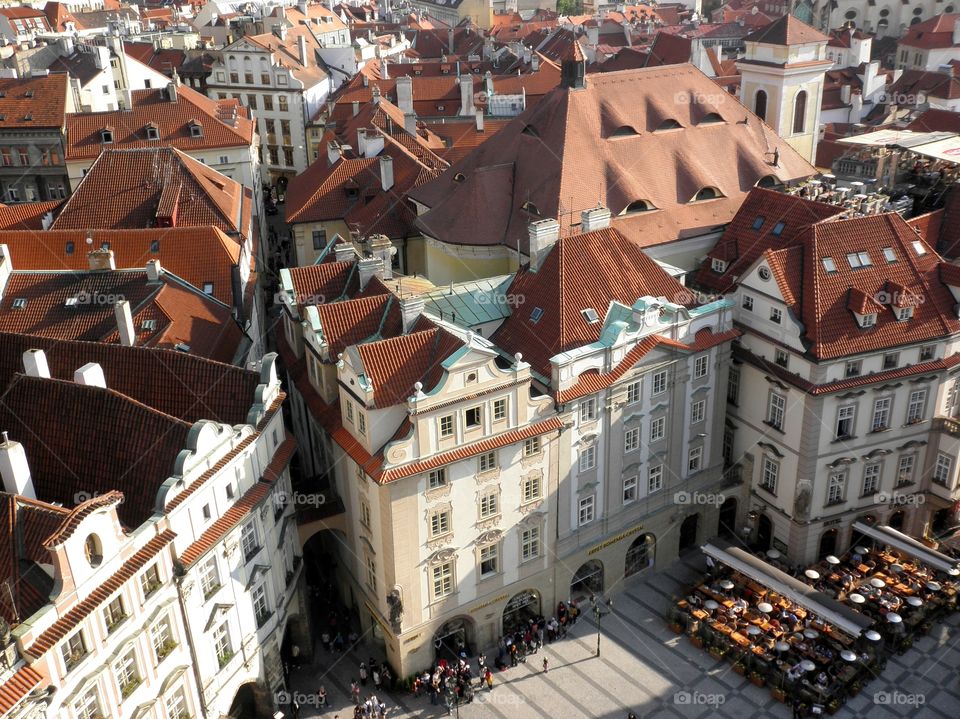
(947, 426)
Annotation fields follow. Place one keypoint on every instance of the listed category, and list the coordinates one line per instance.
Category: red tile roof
(32, 103)
(27, 215)
(787, 30)
(222, 125)
(580, 272)
(934, 120)
(933, 34)
(949, 244)
(350, 323)
(74, 616)
(14, 689)
(573, 150)
(669, 50)
(934, 84)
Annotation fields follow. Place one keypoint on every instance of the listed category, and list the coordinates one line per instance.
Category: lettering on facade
(487, 604)
(614, 540)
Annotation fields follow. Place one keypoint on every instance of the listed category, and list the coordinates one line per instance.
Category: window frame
(654, 477)
(630, 489)
(586, 510)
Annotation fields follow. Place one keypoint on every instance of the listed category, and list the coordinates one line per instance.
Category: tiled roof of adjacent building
(935, 84)
(14, 689)
(934, 120)
(32, 103)
(579, 147)
(933, 34)
(27, 215)
(787, 30)
(223, 125)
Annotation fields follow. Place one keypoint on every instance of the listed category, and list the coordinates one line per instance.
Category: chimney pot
(594, 219)
(410, 310)
(128, 335)
(382, 247)
(405, 93)
(344, 251)
(153, 270)
(386, 172)
(410, 122)
(35, 364)
(543, 235)
(479, 120)
(102, 259)
(15, 470)
(91, 375)
(367, 268)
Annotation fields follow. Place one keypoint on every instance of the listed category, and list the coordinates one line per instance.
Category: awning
(908, 545)
(948, 149)
(819, 603)
(900, 138)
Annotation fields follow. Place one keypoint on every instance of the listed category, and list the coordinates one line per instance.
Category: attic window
(669, 124)
(152, 132)
(530, 207)
(106, 136)
(182, 347)
(155, 246)
(919, 248)
(769, 181)
(778, 229)
(68, 248)
(867, 320)
(717, 265)
(536, 315)
(590, 315)
(758, 223)
(889, 254)
(148, 325)
(459, 177)
(624, 131)
(196, 129)
(637, 206)
(530, 130)
(104, 245)
(904, 313)
(859, 259)
(829, 265)
(711, 118)
(707, 193)
(19, 303)
(208, 288)
(28, 93)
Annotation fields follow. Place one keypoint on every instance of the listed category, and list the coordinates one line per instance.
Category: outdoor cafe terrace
(822, 636)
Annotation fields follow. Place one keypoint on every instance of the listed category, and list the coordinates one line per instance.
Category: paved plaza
(645, 668)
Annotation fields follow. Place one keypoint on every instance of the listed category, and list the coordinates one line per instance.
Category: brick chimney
(333, 152)
(450, 41)
(384, 70)
(405, 94)
(302, 46)
(410, 122)
(355, 107)
(14, 469)
(594, 219)
(172, 92)
(35, 364)
(479, 120)
(386, 172)
(368, 268)
(128, 335)
(382, 247)
(153, 270)
(102, 259)
(344, 252)
(91, 375)
(467, 107)
(543, 235)
(6, 267)
(410, 310)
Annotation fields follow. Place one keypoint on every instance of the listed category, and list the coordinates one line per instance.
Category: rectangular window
(268, 102)
(629, 489)
(585, 513)
(209, 577)
(659, 383)
(871, 478)
(588, 459)
(531, 489)
(362, 423)
(349, 409)
(150, 580)
(776, 409)
(177, 707)
(472, 417)
(701, 365)
(126, 672)
(489, 560)
(927, 353)
(252, 101)
(747, 303)
(261, 608)
(499, 409)
(658, 428)
(633, 392)
(733, 386)
(655, 479)
(769, 474)
(531, 446)
(248, 540)
(73, 650)
(489, 505)
(698, 411)
(852, 369)
(845, 416)
(319, 239)
(365, 513)
(442, 580)
(916, 406)
(781, 358)
(776, 315)
(439, 522)
(487, 461)
(437, 478)
(529, 543)
(835, 487)
(943, 471)
(891, 360)
(88, 706)
(371, 579)
(905, 469)
(113, 614)
(222, 645)
(631, 440)
(161, 637)
(881, 414)
(588, 410)
(695, 459)
(248, 78)
(446, 426)
(288, 157)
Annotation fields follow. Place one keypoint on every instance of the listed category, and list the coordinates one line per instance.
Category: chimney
(410, 122)
(375, 96)
(386, 172)
(356, 107)
(6, 267)
(362, 141)
(333, 152)
(845, 94)
(367, 268)
(410, 310)
(405, 93)
(128, 335)
(302, 7)
(302, 46)
(543, 235)
(172, 91)
(35, 364)
(535, 62)
(15, 469)
(384, 70)
(102, 259)
(153, 270)
(344, 252)
(466, 96)
(956, 32)
(380, 246)
(595, 219)
(450, 40)
(90, 375)
(479, 118)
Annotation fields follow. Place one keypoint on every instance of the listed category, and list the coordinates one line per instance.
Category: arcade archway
(688, 532)
(455, 639)
(640, 555)
(522, 607)
(587, 580)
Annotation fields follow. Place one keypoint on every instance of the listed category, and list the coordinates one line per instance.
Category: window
(113, 614)
(531, 446)
(701, 366)
(927, 353)
(288, 156)
(659, 383)
(889, 255)
(778, 229)
(531, 488)
(588, 458)
(106, 136)
(439, 522)
(904, 313)
(800, 112)
(206, 511)
(529, 543)
(631, 440)
(916, 406)
(585, 513)
(196, 129)
(695, 459)
(349, 411)
(760, 104)
(472, 417)
(73, 650)
(437, 478)
(152, 133)
(852, 369)
(489, 560)
(261, 608)
(364, 513)
(859, 259)
(489, 505)
(697, 411)
(128, 677)
(776, 409)
(629, 489)
(829, 265)
(758, 222)
(248, 78)
(747, 303)
(588, 410)
(499, 410)
(150, 580)
(891, 360)
(776, 315)
(781, 357)
(727, 447)
(867, 321)
(487, 461)
(268, 102)
(248, 540)
(633, 392)
(177, 705)
(733, 385)
(446, 426)
(881, 414)
(371, 577)
(7, 156)
(88, 706)
(234, 78)
(362, 423)
(442, 580)
(658, 428)
(536, 315)
(319, 239)
(717, 265)
(769, 474)
(222, 645)
(835, 487)
(161, 637)
(209, 577)
(655, 479)
(905, 469)
(943, 471)
(871, 478)
(845, 417)
(251, 102)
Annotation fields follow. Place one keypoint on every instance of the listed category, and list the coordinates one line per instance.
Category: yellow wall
(303, 236)
(442, 268)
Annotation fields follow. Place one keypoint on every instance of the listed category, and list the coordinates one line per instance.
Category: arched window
(760, 105)
(637, 206)
(800, 111)
(624, 131)
(707, 193)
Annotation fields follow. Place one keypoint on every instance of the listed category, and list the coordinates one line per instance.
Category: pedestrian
(355, 692)
(325, 640)
(295, 708)
(545, 665)
(711, 567)
(338, 643)
(377, 678)
(322, 696)
(489, 678)
(386, 676)
(363, 674)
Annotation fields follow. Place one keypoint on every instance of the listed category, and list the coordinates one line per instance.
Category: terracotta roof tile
(27, 215)
(349, 323)
(787, 30)
(934, 120)
(42, 99)
(933, 34)
(14, 689)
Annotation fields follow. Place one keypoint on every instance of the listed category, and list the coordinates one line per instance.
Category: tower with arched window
(782, 74)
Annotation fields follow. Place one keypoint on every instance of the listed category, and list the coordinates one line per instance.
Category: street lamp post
(451, 684)
(599, 612)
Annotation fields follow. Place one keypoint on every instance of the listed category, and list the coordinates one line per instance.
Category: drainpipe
(179, 572)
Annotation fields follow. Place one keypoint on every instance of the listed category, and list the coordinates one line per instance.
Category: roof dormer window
(889, 255)
(590, 315)
(196, 129)
(668, 124)
(707, 193)
(711, 118)
(624, 131)
(717, 265)
(903, 313)
(829, 265)
(919, 248)
(106, 135)
(866, 321)
(152, 132)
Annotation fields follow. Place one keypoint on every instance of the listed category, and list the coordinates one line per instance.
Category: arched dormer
(711, 118)
(768, 181)
(668, 124)
(707, 193)
(637, 206)
(624, 131)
